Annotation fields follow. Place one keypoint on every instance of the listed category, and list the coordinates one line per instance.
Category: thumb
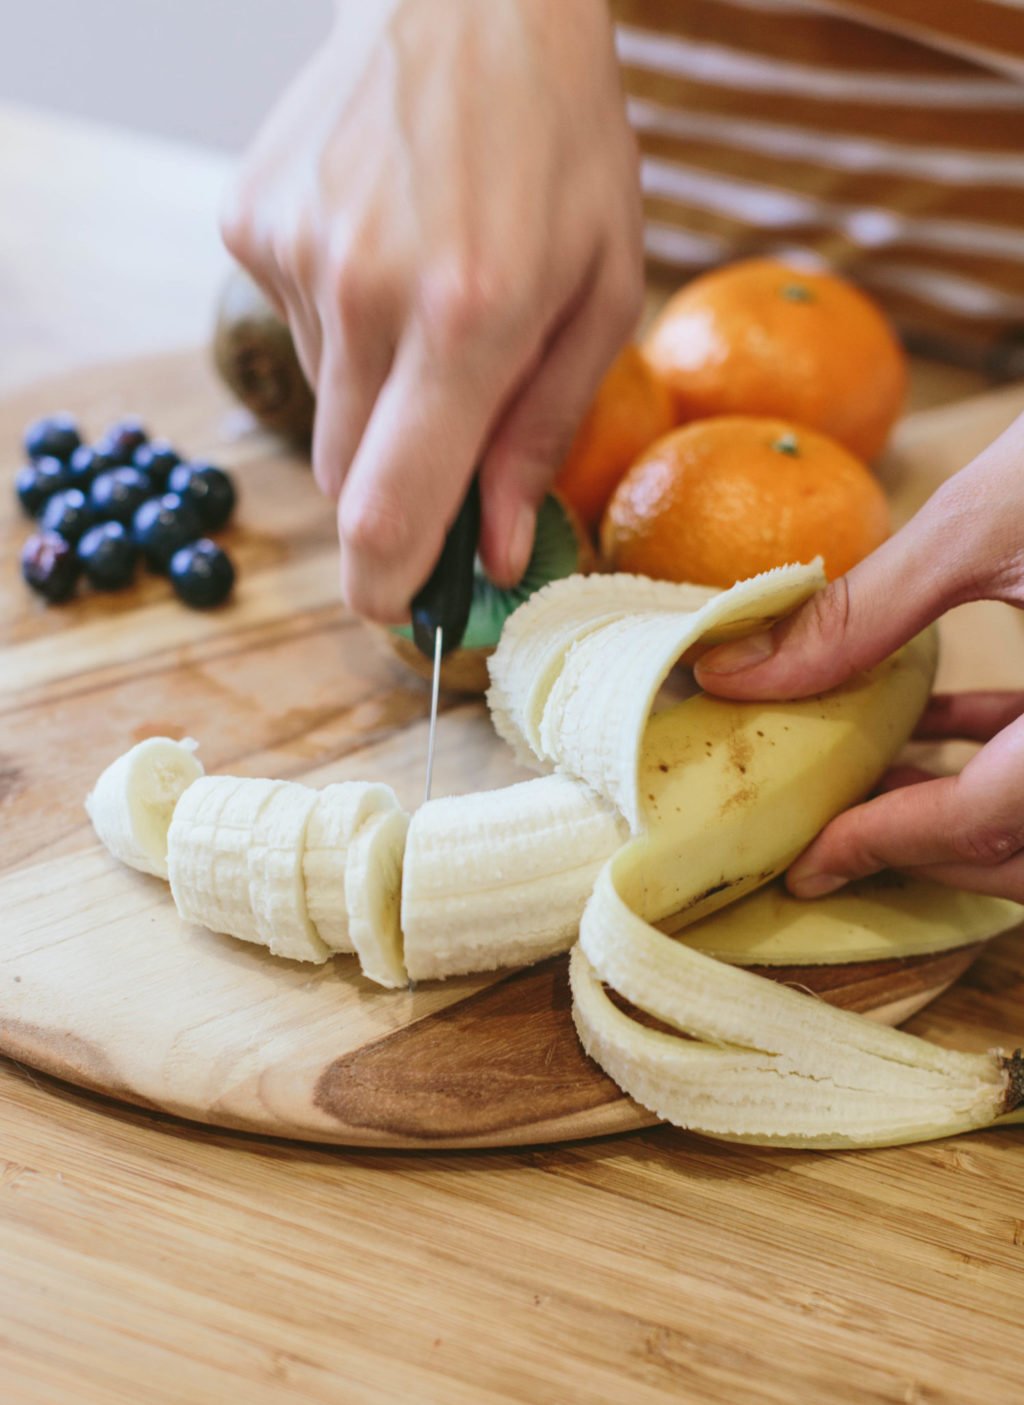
(853, 623)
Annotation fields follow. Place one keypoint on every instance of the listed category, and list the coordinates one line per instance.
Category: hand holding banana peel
(647, 822)
(965, 830)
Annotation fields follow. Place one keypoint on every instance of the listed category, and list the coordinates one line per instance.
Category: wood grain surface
(113, 992)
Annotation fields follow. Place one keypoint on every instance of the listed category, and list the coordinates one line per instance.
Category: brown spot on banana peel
(747, 879)
(1013, 1067)
(741, 751)
(710, 892)
(739, 799)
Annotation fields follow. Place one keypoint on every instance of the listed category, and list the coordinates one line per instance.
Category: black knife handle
(445, 599)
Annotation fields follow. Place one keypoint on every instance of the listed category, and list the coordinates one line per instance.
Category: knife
(440, 610)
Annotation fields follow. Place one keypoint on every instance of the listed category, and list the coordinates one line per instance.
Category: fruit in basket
(632, 408)
(255, 356)
(561, 547)
(759, 337)
(720, 500)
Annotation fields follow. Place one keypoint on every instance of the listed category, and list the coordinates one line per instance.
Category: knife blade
(440, 609)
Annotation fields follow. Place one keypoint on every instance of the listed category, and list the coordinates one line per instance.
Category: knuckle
(986, 844)
(359, 293)
(980, 551)
(828, 612)
(294, 251)
(375, 526)
(952, 527)
(624, 299)
(860, 854)
(360, 599)
(356, 597)
(542, 440)
(462, 301)
(352, 294)
(236, 228)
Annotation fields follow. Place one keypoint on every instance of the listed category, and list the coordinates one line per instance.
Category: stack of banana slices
(650, 839)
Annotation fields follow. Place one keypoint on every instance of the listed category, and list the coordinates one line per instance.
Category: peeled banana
(653, 835)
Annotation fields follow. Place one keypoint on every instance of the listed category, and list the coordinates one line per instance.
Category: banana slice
(373, 882)
(339, 812)
(133, 800)
(208, 853)
(501, 879)
(277, 892)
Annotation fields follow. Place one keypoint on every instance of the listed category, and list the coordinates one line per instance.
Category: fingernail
(816, 885)
(520, 543)
(742, 654)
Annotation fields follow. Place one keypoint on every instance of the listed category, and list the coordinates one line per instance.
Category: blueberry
(162, 525)
(49, 565)
(119, 493)
(108, 556)
(37, 482)
(69, 514)
(56, 436)
(202, 574)
(156, 459)
(86, 464)
(122, 439)
(29, 491)
(208, 488)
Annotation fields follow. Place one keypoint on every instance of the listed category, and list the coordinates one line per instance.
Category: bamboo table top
(143, 1259)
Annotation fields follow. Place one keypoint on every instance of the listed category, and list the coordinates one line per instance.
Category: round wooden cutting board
(102, 985)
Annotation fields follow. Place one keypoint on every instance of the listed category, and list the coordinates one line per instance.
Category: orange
(761, 338)
(630, 410)
(723, 499)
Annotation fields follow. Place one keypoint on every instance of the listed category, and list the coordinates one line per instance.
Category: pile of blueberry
(101, 506)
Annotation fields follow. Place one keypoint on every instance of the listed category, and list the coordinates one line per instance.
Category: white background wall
(203, 70)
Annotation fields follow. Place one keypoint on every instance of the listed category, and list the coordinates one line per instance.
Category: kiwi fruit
(255, 356)
(561, 547)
